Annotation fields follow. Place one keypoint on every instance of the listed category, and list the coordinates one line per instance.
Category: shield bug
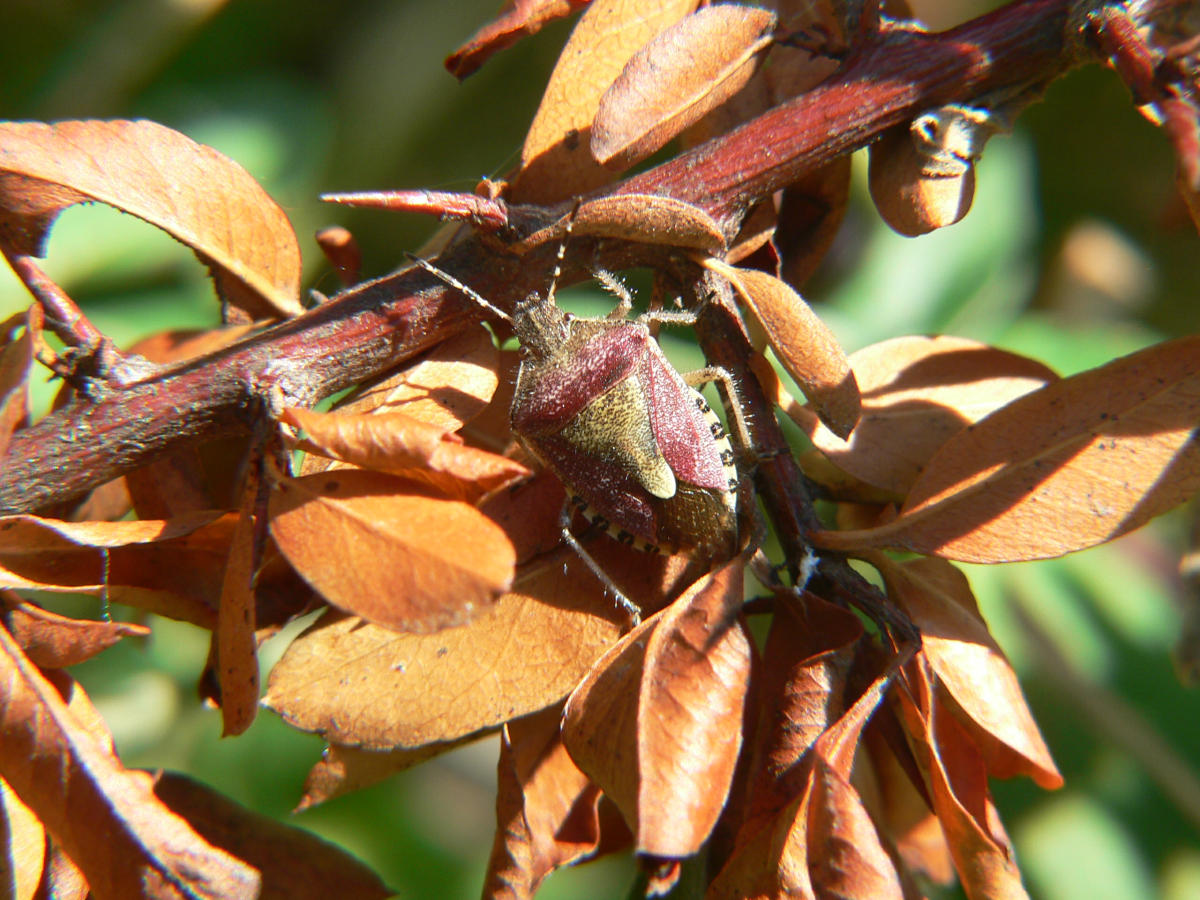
(638, 449)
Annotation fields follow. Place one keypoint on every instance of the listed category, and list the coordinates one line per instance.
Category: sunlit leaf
(1076, 463)
(671, 82)
(198, 196)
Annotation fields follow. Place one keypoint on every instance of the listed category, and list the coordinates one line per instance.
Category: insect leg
(564, 521)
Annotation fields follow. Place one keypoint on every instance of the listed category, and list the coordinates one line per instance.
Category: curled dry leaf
(50, 554)
(362, 685)
(62, 879)
(546, 809)
(16, 359)
(971, 666)
(684, 71)
(556, 160)
(106, 817)
(918, 392)
(447, 387)
(23, 858)
(657, 722)
(518, 19)
(805, 663)
(293, 863)
(647, 218)
(810, 216)
(956, 782)
(197, 195)
(804, 344)
(343, 770)
(1076, 463)
(396, 442)
(52, 641)
(234, 640)
(389, 549)
(822, 842)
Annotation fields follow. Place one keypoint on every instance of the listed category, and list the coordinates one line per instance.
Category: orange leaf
(687, 69)
(50, 554)
(546, 809)
(1079, 462)
(971, 665)
(556, 161)
(198, 196)
(956, 780)
(52, 641)
(16, 359)
(917, 393)
(343, 770)
(447, 387)
(362, 685)
(293, 863)
(388, 550)
(106, 817)
(519, 19)
(24, 853)
(805, 662)
(823, 842)
(397, 443)
(657, 723)
(804, 344)
(237, 661)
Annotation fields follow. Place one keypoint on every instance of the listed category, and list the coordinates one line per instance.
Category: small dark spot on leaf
(332, 485)
(571, 139)
(442, 651)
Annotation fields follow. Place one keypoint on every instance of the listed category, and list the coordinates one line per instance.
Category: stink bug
(640, 452)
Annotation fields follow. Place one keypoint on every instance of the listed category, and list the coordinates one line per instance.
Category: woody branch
(377, 325)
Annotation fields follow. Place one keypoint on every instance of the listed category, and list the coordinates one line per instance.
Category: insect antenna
(447, 278)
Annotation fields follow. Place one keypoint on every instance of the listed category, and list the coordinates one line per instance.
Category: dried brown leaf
(686, 70)
(804, 344)
(917, 393)
(61, 879)
(52, 641)
(518, 19)
(956, 781)
(805, 662)
(657, 723)
(23, 856)
(16, 360)
(822, 843)
(546, 809)
(234, 640)
(106, 817)
(362, 685)
(648, 218)
(447, 387)
(50, 554)
(810, 214)
(343, 770)
(971, 666)
(390, 550)
(294, 864)
(195, 194)
(902, 813)
(397, 443)
(1076, 463)
(556, 161)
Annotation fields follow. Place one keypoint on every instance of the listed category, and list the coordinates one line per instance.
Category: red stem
(376, 326)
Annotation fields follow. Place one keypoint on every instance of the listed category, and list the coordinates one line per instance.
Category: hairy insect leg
(618, 289)
(633, 611)
(715, 373)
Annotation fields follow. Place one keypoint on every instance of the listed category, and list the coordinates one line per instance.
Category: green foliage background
(1076, 251)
